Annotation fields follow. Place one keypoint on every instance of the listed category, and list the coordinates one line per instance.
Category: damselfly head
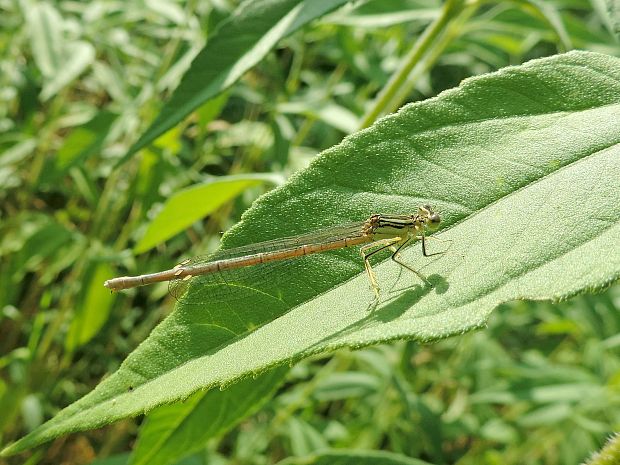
(431, 218)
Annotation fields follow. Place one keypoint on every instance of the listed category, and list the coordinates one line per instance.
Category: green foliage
(94, 311)
(346, 457)
(609, 455)
(521, 164)
(528, 110)
(239, 44)
(59, 60)
(613, 9)
(176, 430)
(192, 204)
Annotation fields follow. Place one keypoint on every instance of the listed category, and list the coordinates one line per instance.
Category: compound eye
(433, 221)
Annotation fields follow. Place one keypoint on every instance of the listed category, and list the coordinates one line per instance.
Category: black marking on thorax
(397, 223)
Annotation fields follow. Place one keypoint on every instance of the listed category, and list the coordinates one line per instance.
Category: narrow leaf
(83, 142)
(237, 45)
(194, 203)
(93, 312)
(60, 60)
(550, 13)
(524, 166)
(77, 57)
(46, 38)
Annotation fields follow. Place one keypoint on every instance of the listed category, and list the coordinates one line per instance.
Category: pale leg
(382, 244)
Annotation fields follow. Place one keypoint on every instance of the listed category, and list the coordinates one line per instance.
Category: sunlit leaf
(550, 13)
(194, 203)
(93, 311)
(524, 166)
(77, 57)
(59, 58)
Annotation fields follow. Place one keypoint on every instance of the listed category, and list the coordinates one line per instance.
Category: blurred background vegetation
(80, 81)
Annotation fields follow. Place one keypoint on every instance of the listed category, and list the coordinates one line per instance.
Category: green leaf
(613, 8)
(353, 457)
(524, 166)
(78, 56)
(552, 16)
(174, 431)
(331, 113)
(94, 310)
(82, 143)
(211, 109)
(237, 45)
(28, 240)
(339, 386)
(60, 60)
(118, 459)
(605, 11)
(194, 203)
(304, 438)
(46, 36)
(384, 14)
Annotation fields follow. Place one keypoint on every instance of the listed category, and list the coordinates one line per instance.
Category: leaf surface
(524, 166)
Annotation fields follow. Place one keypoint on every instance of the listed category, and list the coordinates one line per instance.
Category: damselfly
(377, 233)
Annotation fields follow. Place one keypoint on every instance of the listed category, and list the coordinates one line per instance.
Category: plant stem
(446, 37)
(425, 42)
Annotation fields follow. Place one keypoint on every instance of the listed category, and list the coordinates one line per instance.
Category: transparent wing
(231, 284)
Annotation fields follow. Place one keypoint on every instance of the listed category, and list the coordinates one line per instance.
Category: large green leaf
(237, 45)
(523, 164)
(174, 431)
